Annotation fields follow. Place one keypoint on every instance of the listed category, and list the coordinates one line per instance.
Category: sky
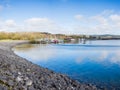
(61, 16)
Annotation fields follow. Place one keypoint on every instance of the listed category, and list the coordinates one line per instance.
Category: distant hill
(105, 37)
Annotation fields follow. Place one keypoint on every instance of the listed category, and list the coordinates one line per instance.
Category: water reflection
(43, 52)
(25, 47)
(112, 57)
(97, 63)
(36, 52)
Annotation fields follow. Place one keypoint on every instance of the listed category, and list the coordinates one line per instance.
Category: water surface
(96, 62)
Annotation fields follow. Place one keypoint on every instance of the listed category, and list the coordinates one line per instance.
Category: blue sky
(61, 16)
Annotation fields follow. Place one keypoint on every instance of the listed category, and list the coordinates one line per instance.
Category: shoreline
(17, 73)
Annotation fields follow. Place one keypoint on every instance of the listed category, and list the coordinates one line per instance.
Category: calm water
(96, 62)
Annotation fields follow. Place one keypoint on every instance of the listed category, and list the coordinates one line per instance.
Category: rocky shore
(17, 73)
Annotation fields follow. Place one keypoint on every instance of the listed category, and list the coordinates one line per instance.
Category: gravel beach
(17, 73)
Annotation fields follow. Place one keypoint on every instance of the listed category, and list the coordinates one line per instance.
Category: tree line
(29, 35)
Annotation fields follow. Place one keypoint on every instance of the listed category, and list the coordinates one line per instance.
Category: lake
(96, 62)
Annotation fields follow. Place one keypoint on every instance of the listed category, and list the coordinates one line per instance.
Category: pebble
(28, 82)
(18, 79)
(20, 75)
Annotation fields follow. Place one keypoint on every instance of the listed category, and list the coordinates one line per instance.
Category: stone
(18, 79)
(28, 70)
(26, 78)
(29, 82)
(10, 82)
(21, 74)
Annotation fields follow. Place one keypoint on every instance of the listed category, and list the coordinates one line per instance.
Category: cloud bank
(106, 22)
(103, 23)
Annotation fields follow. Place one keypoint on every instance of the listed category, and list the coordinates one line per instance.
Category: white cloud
(10, 23)
(100, 20)
(115, 17)
(38, 21)
(78, 17)
(116, 20)
(31, 24)
(103, 23)
(42, 25)
(106, 22)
